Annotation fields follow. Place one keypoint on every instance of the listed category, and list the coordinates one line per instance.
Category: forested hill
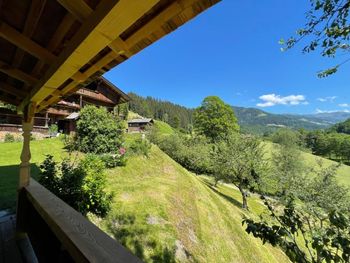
(175, 115)
(251, 120)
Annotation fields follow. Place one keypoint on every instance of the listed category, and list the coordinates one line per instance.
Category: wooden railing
(59, 233)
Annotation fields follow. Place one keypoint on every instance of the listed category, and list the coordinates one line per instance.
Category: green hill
(160, 207)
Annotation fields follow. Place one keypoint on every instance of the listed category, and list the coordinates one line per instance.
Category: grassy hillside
(343, 174)
(160, 207)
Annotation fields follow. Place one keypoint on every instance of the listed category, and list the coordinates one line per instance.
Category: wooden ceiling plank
(110, 19)
(154, 24)
(57, 38)
(25, 43)
(17, 74)
(78, 8)
(12, 90)
(32, 20)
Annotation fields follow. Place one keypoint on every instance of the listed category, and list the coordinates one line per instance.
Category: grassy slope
(9, 169)
(310, 160)
(185, 208)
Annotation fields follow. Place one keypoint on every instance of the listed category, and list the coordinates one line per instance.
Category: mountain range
(259, 121)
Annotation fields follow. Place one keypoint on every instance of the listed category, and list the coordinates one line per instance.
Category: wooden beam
(25, 43)
(78, 8)
(110, 19)
(61, 31)
(12, 90)
(17, 74)
(32, 20)
(120, 47)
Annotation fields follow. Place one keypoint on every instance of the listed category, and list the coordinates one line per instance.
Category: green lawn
(9, 165)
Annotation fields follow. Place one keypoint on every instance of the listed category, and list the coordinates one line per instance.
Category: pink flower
(122, 151)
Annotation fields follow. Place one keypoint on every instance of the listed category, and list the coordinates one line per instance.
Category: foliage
(175, 115)
(331, 145)
(140, 147)
(98, 131)
(122, 110)
(328, 29)
(342, 127)
(81, 185)
(114, 160)
(8, 106)
(287, 137)
(9, 137)
(53, 129)
(239, 160)
(329, 242)
(288, 170)
(215, 119)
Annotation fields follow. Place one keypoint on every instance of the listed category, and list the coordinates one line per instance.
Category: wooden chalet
(100, 92)
(139, 125)
(48, 50)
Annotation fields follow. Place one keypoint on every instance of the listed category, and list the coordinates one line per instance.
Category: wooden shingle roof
(49, 48)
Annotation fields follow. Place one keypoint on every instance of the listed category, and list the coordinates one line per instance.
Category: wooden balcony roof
(49, 49)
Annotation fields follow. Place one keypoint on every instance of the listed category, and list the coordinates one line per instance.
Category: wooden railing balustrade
(59, 233)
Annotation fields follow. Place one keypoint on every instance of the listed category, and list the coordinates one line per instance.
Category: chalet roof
(52, 48)
(123, 96)
(145, 120)
(73, 116)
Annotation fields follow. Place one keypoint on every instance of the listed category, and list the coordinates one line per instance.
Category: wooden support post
(81, 101)
(46, 119)
(27, 126)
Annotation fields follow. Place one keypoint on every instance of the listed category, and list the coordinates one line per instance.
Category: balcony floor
(9, 251)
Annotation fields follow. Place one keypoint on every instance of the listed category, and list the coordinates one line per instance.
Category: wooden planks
(9, 251)
(25, 43)
(82, 239)
(17, 74)
(109, 20)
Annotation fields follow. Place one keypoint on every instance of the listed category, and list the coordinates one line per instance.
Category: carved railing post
(27, 126)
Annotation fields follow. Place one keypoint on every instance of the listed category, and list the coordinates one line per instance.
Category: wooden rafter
(17, 74)
(25, 43)
(32, 20)
(61, 31)
(80, 10)
(11, 90)
(110, 19)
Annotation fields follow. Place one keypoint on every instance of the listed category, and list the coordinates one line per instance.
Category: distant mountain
(258, 121)
(331, 117)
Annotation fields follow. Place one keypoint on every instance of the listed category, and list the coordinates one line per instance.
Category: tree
(215, 119)
(287, 137)
(303, 242)
(327, 29)
(239, 160)
(98, 131)
(288, 169)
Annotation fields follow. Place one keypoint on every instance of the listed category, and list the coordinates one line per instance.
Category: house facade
(64, 113)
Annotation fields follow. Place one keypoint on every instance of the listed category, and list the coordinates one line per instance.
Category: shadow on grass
(136, 238)
(8, 185)
(228, 198)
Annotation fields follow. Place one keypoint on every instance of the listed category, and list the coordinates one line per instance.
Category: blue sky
(232, 51)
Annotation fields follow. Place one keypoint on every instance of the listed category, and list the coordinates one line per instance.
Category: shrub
(9, 137)
(81, 185)
(98, 131)
(140, 147)
(114, 160)
(53, 129)
(69, 142)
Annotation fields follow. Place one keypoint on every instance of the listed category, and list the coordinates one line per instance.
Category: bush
(53, 129)
(114, 160)
(9, 137)
(98, 131)
(69, 142)
(82, 186)
(140, 147)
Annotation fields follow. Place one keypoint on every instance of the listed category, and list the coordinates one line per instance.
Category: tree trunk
(244, 197)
